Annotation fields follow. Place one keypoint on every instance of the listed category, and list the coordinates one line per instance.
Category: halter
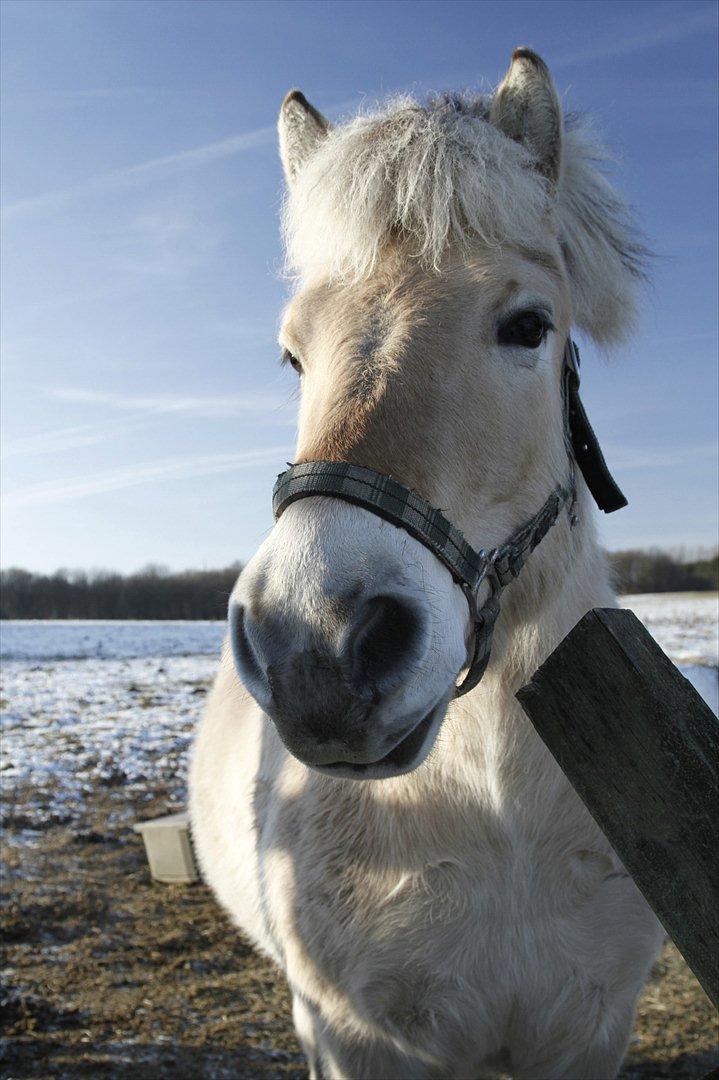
(401, 506)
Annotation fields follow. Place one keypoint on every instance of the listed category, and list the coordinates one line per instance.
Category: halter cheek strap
(401, 506)
(585, 448)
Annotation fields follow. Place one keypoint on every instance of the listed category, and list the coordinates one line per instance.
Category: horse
(412, 858)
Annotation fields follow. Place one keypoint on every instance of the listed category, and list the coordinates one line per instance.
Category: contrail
(80, 487)
(188, 159)
(695, 23)
(198, 155)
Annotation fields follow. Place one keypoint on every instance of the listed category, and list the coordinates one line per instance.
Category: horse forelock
(424, 177)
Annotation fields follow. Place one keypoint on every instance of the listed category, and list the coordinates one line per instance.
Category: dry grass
(110, 975)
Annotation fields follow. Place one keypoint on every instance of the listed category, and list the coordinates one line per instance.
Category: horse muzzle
(337, 636)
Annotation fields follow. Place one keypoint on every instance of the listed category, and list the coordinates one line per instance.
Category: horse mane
(429, 175)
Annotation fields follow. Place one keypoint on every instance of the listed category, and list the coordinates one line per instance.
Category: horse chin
(406, 755)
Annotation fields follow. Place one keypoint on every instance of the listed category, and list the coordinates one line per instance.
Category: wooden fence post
(641, 748)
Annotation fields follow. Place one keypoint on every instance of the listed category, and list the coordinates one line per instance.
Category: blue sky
(145, 415)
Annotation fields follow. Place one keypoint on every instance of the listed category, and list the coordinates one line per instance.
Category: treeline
(155, 593)
(662, 571)
(152, 593)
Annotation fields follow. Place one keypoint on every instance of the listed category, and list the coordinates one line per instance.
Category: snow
(71, 724)
(686, 625)
(48, 639)
(115, 703)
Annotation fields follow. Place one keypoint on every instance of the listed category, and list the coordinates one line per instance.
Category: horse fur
(471, 907)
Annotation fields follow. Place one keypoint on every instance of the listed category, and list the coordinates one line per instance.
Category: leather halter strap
(585, 446)
(386, 497)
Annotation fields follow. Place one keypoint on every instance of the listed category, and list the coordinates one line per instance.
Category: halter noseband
(401, 506)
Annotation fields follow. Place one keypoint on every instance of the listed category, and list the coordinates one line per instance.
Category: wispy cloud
(200, 405)
(185, 159)
(141, 409)
(167, 469)
(682, 27)
(194, 158)
(67, 438)
(277, 410)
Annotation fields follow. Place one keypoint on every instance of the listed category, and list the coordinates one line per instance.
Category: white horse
(417, 864)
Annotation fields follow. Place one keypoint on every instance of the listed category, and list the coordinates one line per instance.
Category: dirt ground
(107, 974)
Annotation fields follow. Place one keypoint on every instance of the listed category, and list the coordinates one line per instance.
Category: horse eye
(528, 330)
(290, 358)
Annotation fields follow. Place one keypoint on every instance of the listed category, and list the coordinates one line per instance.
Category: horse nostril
(389, 636)
(247, 662)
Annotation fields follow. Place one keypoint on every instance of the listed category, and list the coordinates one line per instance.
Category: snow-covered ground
(686, 625)
(115, 703)
(51, 639)
(71, 724)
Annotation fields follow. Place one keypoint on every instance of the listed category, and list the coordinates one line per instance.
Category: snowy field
(37, 640)
(115, 703)
(686, 625)
(100, 703)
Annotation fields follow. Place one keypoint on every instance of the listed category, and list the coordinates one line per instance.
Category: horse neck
(563, 578)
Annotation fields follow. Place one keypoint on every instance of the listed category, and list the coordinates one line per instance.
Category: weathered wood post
(641, 748)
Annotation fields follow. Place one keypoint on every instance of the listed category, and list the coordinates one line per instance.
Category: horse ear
(525, 106)
(301, 128)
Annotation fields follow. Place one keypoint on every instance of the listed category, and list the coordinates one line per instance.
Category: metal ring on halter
(483, 620)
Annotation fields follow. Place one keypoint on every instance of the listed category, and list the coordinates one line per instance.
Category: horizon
(681, 554)
(145, 414)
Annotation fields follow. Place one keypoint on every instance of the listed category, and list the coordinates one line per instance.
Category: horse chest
(348, 896)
